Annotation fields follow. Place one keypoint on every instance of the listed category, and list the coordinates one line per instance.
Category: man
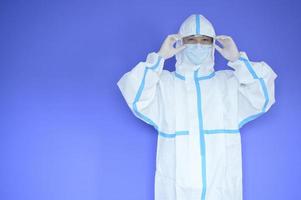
(197, 111)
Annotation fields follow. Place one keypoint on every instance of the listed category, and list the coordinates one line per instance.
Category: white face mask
(197, 53)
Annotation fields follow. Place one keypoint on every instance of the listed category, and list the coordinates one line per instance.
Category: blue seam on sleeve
(139, 92)
(145, 118)
(264, 89)
(250, 118)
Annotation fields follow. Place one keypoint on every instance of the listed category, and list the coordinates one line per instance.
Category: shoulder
(166, 76)
(226, 76)
(226, 73)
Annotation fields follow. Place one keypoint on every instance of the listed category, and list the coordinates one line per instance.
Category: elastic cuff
(155, 62)
(243, 56)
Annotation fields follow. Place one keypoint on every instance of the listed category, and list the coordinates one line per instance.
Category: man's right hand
(167, 49)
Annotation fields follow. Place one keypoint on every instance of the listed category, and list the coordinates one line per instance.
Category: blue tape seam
(199, 78)
(202, 137)
(197, 24)
(264, 88)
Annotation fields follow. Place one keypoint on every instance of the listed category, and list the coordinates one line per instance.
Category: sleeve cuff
(155, 62)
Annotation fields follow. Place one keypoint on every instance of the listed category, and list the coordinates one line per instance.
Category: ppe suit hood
(195, 24)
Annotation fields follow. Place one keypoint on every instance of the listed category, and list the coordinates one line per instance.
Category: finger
(219, 37)
(178, 35)
(175, 34)
(222, 37)
(225, 40)
(222, 41)
(180, 48)
(174, 40)
(218, 48)
(175, 37)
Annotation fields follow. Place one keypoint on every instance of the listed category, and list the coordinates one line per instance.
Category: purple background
(66, 132)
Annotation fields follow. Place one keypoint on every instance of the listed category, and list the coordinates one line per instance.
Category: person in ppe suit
(197, 111)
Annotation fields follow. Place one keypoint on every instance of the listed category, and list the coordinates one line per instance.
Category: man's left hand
(229, 50)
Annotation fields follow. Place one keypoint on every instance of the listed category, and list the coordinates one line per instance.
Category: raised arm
(256, 81)
(256, 91)
(140, 88)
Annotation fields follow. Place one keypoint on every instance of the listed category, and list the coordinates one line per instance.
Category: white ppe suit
(198, 112)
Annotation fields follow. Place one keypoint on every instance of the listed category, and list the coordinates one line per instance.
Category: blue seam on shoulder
(179, 76)
(199, 78)
(207, 77)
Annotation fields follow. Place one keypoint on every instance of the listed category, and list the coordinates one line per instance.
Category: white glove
(167, 49)
(229, 50)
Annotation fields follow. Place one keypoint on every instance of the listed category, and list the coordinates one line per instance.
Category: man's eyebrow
(198, 36)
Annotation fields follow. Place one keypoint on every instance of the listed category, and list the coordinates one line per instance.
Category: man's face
(194, 39)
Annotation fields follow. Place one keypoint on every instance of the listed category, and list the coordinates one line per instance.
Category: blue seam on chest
(222, 131)
(210, 131)
(202, 137)
(172, 135)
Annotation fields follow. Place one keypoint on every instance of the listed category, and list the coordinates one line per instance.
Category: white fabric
(198, 113)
